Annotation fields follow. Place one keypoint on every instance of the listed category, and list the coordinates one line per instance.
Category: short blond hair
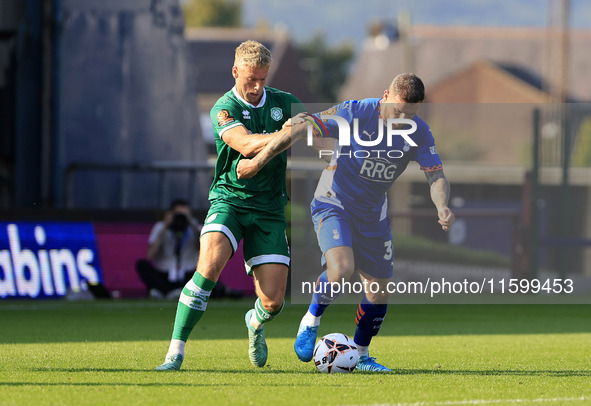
(252, 54)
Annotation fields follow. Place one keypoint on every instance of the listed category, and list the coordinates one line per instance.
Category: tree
(327, 66)
(213, 13)
(582, 152)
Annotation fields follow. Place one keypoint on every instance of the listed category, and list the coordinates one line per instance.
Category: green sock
(263, 315)
(192, 305)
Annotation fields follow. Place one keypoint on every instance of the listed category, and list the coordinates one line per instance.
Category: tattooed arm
(282, 140)
(440, 196)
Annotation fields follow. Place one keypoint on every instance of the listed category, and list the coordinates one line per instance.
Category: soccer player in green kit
(245, 120)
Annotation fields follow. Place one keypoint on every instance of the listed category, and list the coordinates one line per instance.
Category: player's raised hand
(446, 218)
(246, 168)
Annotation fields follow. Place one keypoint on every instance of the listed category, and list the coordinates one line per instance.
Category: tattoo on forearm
(280, 143)
(440, 192)
(439, 187)
(434, 176)
(277, 145)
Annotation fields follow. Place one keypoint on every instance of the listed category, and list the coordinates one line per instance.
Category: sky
(347, 20)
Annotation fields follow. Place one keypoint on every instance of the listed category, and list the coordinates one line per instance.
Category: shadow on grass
(493, 372)
(265, 370)
(150, 384)
(437, 371)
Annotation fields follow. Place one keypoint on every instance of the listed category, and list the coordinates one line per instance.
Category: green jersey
(266, 190)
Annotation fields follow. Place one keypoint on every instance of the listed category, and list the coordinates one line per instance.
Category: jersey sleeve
(329, 127)
(223, 117)
(427, 155)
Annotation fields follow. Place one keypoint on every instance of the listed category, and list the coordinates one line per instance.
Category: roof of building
(487, 82)
(436, 53)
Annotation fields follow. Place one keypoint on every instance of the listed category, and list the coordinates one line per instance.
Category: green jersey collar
(261, 103)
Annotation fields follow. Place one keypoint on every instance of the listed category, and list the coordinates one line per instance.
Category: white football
(336, 353)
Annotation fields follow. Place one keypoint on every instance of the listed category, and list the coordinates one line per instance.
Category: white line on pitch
(484, 402)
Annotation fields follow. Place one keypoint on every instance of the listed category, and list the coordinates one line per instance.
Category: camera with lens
(179, 223)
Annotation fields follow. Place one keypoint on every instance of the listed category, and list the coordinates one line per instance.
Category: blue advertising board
(46, 259)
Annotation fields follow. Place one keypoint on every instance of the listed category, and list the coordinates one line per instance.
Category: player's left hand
(446, 218)
(246, 168)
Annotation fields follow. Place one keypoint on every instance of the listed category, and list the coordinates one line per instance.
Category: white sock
(176, 347)
(310, 320)
(363, 350)
(254, 322)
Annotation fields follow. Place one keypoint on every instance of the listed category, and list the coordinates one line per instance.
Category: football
(335, 353)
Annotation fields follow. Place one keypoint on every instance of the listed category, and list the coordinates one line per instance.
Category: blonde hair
(252, 54)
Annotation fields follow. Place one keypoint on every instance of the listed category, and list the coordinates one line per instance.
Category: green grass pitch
(105, 352)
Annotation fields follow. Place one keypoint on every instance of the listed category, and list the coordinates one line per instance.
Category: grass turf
(105, 353)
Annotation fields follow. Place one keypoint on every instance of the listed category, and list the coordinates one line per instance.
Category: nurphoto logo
(402, 127)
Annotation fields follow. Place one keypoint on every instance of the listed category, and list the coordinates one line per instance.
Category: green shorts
(265, 240)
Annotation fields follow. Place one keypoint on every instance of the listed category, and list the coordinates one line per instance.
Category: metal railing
(161, 168)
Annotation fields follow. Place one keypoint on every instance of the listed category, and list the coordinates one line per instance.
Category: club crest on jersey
(276, 113)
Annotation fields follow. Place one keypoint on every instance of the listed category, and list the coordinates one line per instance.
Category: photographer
(173, 250)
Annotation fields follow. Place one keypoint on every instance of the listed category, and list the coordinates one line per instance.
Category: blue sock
(322, 296)
(369, 320)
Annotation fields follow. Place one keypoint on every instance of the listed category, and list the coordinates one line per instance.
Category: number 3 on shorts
(388, 246)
